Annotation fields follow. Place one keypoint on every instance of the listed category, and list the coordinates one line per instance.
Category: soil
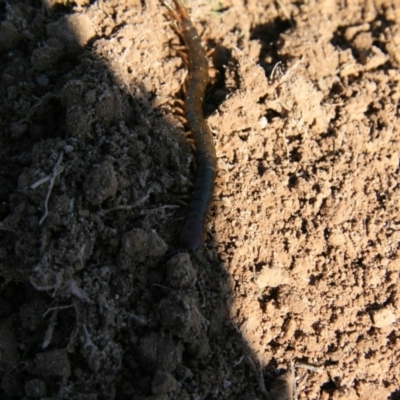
(295, 293)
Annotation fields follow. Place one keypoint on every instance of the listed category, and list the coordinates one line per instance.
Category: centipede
(193, 232)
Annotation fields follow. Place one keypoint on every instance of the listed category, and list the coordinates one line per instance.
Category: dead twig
(50, 329)
(293, 367)
(294, 388)
(312, 368)
(51, 178)
(129, 207)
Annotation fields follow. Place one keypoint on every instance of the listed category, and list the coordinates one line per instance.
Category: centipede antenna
(181, 10)
(175, 13)
(170, 9)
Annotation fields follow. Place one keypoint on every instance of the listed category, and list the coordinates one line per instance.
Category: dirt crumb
(74, 31)
(51, 363)
(10, 37)
(383, 318)
(35, 389)
(180, 314)
(8, 348)
(156, 350)
(101, 183)
(180, 271)
(163, 383)
(139, 244)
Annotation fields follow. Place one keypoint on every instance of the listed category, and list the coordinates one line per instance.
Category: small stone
(263, 122)
(9, 35)
(139, 244)
(35, 389)
(199, 347)
(8, 348)
(45, 57)
(163, 383)
(51, 363)
(18, 129)
(183, 372)
(42, 80)
(383, 317)
(271, 277)
(101, 183)
(31, 314)
(74, 31)
(157, 351)
(180, 315)
(180, 271)
(68, 149)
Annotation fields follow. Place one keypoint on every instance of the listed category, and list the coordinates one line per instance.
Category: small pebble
(42, 80)
(163, 383)
(68, 149)
(263, 122)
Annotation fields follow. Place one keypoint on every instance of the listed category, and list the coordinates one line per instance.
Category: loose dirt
(295, 294)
